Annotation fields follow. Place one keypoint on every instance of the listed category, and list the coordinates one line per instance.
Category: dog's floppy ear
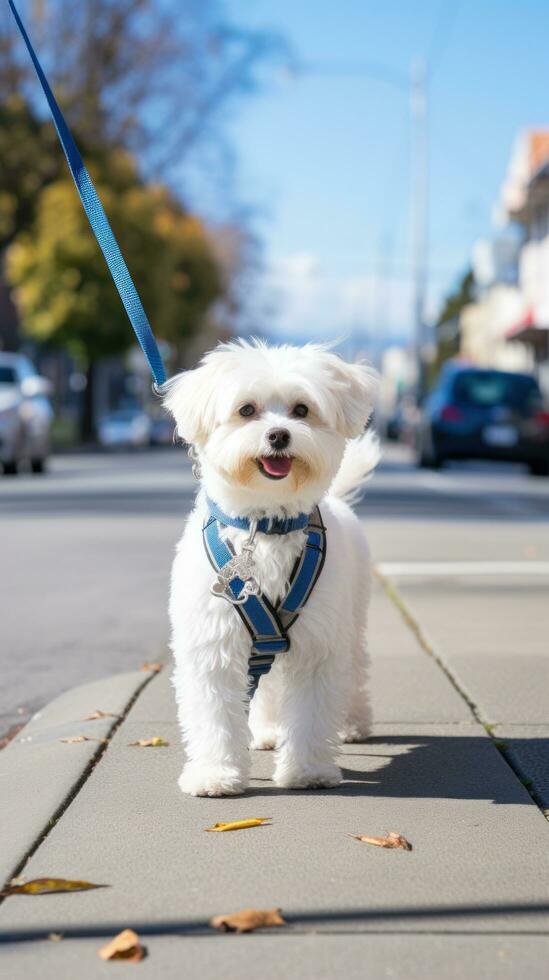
(190, 398)
(356, 390)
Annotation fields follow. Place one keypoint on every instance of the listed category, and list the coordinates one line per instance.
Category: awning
(527, 322)
(528, 331)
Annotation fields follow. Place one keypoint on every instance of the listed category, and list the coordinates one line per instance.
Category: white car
(125, 427)
(25, 414)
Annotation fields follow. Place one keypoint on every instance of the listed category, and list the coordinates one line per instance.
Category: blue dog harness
(266, 623)
(266, 525)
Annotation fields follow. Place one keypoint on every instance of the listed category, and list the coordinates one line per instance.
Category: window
(485, 389)
(8, 375)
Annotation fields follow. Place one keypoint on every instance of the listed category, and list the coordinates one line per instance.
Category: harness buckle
(258, 652)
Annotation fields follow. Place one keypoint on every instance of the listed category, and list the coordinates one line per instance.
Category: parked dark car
(395, 425)
(478, 413)
(162, 431)
(124, 427)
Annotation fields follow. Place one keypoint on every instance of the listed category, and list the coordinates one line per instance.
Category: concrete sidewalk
(469, 901)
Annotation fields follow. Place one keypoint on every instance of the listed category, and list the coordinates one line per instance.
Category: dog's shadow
(429, 767)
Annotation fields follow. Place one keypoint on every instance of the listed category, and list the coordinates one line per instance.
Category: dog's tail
(359, 461)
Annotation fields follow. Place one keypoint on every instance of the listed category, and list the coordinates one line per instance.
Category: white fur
(315, 694)
(360, 459)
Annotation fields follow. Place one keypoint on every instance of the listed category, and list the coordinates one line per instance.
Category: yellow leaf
(82, 738)
(247, 920)
(392, 840)
(238, 824)
(47, 886)
(124, 946)
(150, 743)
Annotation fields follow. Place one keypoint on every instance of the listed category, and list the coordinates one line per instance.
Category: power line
(365, 68)
(442, 33)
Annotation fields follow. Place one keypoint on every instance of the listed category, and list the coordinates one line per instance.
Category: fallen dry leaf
(153, 668)
(391, 840)
(247, 920)
(238, 824)
(72, 739)
(10, 735)
(47, 886)
(124, 946)
(100, 714)
(150, 743)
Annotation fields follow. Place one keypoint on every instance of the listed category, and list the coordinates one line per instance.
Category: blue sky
(326, 160)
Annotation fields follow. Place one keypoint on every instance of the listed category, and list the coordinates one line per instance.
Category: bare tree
(156, 77)
(152, 75)
(12, 72)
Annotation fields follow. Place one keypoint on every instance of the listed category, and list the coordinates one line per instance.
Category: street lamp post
(420, 213)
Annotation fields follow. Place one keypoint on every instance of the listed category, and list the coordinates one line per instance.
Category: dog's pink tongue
(277, 465)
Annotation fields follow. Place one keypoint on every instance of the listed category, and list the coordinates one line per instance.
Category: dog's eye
(247, 411)
(300, 411)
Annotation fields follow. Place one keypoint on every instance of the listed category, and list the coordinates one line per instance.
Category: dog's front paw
(264, 739)
(355, 733)
(199, 780)
(308, 777)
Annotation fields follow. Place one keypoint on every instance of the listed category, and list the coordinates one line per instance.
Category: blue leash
(99, 222)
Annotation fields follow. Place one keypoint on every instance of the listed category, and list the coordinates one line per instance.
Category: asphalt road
(86, 553)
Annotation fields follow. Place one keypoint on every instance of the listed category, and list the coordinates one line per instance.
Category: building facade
(507, 325)
(525, 201)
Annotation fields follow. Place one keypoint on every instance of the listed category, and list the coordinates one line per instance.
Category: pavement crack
(395, 597)
(82, 779)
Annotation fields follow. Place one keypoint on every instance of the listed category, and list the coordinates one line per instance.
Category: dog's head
(270, 423)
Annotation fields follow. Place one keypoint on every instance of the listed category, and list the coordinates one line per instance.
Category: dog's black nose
(278, 438)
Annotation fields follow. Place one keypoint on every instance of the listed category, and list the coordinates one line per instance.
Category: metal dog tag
(241, 566)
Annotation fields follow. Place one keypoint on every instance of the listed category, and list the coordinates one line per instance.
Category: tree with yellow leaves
(64, 291)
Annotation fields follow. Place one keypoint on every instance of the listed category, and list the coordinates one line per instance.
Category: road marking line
(463, 568)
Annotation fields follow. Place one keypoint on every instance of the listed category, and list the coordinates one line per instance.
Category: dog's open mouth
(275, 467)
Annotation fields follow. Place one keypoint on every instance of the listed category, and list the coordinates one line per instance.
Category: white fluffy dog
(277, 430)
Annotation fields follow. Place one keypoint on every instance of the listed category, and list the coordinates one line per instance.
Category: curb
(39, 774)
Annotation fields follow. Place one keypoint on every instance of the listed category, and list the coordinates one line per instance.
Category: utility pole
(420, 213)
